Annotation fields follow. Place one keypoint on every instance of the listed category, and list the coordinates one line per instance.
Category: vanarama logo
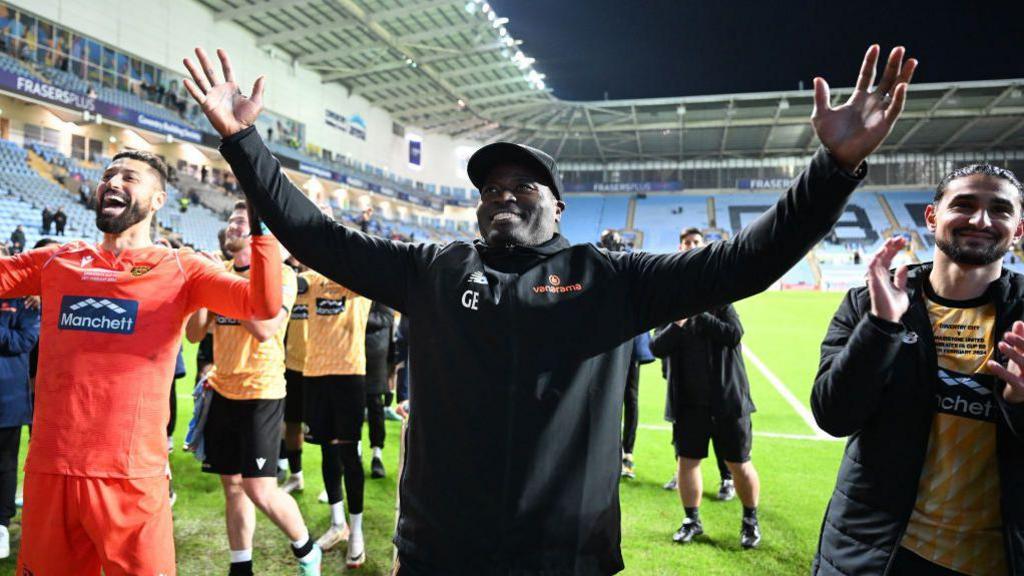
(555, 286)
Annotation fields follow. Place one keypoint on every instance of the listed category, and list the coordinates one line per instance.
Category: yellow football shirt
(336, 343)
(244, 368)
(298, 327)
(957, 522)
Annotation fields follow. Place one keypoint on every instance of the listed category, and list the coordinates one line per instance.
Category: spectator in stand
(60, 221)
(18, 240)
(84, 193)
(91, 94)
(366, 220)
(27, 54)
(19, 332)
(47, 219)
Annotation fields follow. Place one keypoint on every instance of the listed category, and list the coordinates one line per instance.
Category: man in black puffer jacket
(930, 483)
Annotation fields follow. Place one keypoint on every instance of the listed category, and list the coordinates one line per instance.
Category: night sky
(658, 48)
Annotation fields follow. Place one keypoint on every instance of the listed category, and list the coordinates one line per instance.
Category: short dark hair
(985, 169)
(240, 205)
(690, 232)
(154, 162)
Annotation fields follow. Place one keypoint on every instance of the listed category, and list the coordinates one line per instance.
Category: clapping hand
(1012, 346)
(889, 300)
(857, 128)
(222, 101)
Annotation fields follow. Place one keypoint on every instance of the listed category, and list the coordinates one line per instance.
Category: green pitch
(797, 469)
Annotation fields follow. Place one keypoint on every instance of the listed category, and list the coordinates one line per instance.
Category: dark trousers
(631, 408)
(10, 442)
(375, 419)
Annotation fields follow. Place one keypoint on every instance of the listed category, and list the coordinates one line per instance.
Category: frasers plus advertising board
(46, 92)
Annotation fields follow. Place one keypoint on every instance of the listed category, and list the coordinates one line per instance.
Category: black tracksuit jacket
(705, 364)
(877, 384)
(518, 358)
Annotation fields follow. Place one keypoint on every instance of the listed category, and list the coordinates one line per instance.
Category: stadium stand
(28, 193)
(661, 218)
(586, 216)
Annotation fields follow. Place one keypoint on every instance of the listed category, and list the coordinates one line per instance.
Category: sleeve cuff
(891, 328)
(238, 136)
(857, 175)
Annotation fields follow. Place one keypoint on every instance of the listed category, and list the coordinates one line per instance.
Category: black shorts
(293, 401)
(243, 437)
(335, 407)
(694, 428)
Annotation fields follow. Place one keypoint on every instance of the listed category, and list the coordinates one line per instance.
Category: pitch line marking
(803, 411)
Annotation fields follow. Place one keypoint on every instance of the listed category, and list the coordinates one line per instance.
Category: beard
(958, 251)
(235, 245)
(130, 216)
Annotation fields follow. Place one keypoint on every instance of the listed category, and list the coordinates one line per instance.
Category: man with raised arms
(538, 330)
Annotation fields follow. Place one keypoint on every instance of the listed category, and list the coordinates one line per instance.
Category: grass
(797, 475)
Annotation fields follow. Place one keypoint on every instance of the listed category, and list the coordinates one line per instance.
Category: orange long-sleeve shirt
(111, 328)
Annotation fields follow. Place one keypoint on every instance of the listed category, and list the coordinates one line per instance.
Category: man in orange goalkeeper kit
(96, 473)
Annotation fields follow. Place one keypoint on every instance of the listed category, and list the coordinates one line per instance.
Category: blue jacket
(19, 332)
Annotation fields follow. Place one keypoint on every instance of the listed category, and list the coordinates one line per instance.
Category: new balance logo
(109, 315)
(478, 278)
(260, 462)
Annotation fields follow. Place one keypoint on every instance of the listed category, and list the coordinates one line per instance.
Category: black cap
(485, 159)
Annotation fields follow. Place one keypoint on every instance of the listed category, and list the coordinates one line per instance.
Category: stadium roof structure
(450, 66)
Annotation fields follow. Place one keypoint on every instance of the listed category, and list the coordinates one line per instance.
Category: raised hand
(889, 300)
(857, 128)
(1012, 346)
(222, 101)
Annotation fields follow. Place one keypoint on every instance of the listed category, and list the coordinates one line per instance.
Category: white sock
(282, 463)
(302, 539)
(376, 452)
(297, 475)
(241, 555)
(338, 514)
(355, 539)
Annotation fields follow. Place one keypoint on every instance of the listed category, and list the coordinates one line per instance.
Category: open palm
(889, 299)
(857, 128)
(222, 100)
(1012, 347)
